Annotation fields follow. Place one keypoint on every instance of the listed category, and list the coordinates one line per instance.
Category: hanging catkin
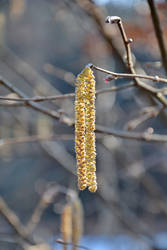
(80, 131)
(84, 130)
(90, 128)
(66, 224)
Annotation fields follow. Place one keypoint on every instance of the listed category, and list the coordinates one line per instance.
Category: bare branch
(133, 76)
(59, 97)
(35, 106)
(158, 32)
(158, 95)
(142, 136)
(143, 117)
(114, 88)
(34, 138)
(117, 20)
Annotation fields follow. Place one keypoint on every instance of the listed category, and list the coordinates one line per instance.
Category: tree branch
(35, 106)
(59, 97)
(158, 32)
(142, 136)
(158, 95)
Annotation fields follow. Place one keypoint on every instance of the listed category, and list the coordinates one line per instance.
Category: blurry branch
(60, 97)
(35, 106)
(35, 81)
(140, 136)
(114, 205)
(158, 32)
(66, 76)
(39, 98)
(114, 88)
(24, 231)
(45, 200)
(158, 196)
(59, 152)
(34, 138)
(143, 117)
(26, 72)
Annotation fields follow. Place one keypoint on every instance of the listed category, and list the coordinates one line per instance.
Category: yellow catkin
(66, 224)
(90, 148)
(77, 222)
(80, 131)
(84, 130)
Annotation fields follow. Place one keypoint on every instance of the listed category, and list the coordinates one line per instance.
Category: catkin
(77, 222)
(84, 130)
(90, 148)
(80, 131)
(66, 224)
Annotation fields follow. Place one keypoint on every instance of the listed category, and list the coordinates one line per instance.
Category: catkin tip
(93, 188)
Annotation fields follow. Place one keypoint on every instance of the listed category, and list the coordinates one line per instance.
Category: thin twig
(91, 8)
(132, 76)
(35, 106)
(145, 86)
(158, 32)
(45, 200)
(114, 88)
(39, 98)
(34, 138)
(60, 97)
(143, 117)
(153, 91)
(141, 136)
(117, 20)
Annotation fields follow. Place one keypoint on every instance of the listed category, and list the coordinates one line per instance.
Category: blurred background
(44, 44)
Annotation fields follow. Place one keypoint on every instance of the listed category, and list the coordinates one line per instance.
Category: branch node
(111, 78)
(130, 40)
(156, 79)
